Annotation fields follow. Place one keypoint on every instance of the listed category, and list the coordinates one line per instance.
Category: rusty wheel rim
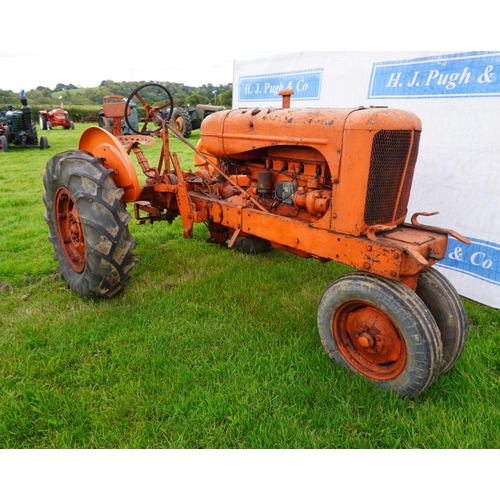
(179, 124)
(369, 340)
(70, 230)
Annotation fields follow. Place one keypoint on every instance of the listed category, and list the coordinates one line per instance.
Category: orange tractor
(333, 184)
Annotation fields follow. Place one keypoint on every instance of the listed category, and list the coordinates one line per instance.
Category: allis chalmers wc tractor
(332, 184)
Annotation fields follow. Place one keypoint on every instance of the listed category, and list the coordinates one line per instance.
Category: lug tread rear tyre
(406, 311)
(181, 122)
(33, 135)
(103, 218)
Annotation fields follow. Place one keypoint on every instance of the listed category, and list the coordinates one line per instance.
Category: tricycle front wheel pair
(396, 338)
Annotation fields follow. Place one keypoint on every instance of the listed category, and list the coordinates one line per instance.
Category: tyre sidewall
(423, 354)
(446, 307)
(54, 180)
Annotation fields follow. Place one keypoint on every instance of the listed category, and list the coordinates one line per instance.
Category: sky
(86, 42)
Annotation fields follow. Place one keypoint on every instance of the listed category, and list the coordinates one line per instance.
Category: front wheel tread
(408, 314)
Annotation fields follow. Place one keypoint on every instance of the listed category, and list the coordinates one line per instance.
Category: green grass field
(205, 348)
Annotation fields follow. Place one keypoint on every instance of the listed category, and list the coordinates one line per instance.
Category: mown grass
(205, 348)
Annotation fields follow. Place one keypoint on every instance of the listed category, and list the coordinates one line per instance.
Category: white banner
(457, 97)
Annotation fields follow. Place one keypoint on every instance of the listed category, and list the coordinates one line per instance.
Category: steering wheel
(153, 113)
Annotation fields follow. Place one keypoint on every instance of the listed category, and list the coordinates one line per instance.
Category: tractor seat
(114, 109)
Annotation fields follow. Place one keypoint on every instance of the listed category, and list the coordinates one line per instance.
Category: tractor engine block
(285, 185)
(356, 165)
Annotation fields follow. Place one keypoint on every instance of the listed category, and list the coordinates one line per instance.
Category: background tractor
(58, 117)
(185, 120)
(17, 128)
(112, 115)
(332, 184)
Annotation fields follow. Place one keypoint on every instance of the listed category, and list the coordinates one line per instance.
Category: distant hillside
(72, 95)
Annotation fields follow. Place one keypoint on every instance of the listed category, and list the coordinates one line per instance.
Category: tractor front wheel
(382, 330)
(445, 305)
(88, 224)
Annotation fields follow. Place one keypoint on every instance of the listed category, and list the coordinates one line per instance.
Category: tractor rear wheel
(32, 135)
(445, 305)
(251, 244)
(382, 330)
(4, 143)
(43, 121)
(88, 224)
(181, 122)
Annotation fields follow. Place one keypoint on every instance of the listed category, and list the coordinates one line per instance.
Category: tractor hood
(243, 133)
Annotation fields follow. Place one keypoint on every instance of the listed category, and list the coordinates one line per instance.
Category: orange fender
(101, 143)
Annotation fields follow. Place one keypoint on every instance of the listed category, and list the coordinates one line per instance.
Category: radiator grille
(392, 165)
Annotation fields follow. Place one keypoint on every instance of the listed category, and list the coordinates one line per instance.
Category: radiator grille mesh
(392, 165)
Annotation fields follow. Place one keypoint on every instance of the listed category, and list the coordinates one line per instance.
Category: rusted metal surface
(330, 184)
(69, 228)
(314, 182)
(113, 107)
(451, 232)
(100, 143)
(369, 340)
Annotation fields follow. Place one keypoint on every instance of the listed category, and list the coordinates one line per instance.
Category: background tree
(183, 95)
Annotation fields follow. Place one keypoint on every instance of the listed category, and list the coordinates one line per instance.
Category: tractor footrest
(127, 140)
(145, 206)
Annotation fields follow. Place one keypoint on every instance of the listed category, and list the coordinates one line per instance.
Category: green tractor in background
(185, 120)
(17, 128)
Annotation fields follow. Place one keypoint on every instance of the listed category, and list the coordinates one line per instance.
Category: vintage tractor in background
(112, 115)
(17, 128)
(185, 120)
(332, 184)
(55, 117)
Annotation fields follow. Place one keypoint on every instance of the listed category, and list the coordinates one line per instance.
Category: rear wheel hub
(70, 230)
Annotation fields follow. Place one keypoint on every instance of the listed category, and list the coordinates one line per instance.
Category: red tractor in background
(55, 117)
